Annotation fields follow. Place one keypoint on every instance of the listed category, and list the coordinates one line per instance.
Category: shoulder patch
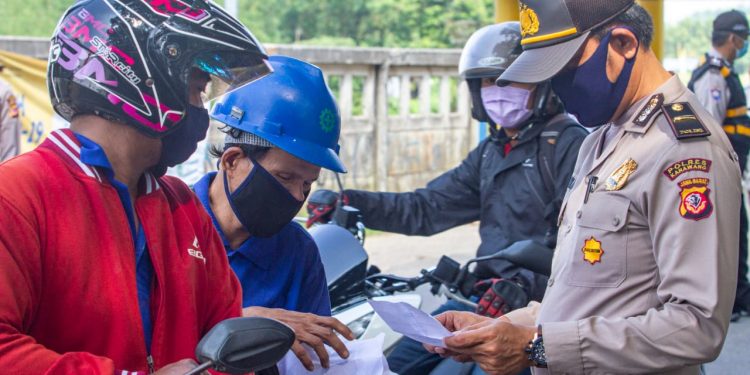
(695, 203)
(685, 124)
(687, 165)
(716, 94)
(649, 110)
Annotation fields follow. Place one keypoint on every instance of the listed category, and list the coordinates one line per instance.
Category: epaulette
(716, 62)
(722, 65)
(685, 124)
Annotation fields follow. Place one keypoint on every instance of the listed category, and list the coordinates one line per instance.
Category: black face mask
(178, 146)
(262, 204)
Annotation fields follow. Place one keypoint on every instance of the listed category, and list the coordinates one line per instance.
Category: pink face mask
(506, 106)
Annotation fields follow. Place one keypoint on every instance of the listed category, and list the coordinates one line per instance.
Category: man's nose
(299, 193)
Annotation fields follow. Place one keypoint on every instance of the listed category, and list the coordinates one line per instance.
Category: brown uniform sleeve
(10, 124)
(695, 254)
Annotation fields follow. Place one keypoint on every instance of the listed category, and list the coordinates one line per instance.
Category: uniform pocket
(599, 256)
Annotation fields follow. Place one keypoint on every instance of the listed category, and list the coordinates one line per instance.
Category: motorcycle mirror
(527, 254)
(243, 345)
(347, 217)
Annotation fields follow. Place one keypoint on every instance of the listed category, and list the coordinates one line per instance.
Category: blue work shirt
(283, 271)
(93, 154)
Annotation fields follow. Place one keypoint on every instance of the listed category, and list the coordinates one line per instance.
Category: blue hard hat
(292, 109)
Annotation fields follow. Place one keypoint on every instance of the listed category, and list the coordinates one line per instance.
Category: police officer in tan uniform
(643, 275)
(10, 125)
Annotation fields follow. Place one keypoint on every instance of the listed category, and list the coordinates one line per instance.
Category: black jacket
(508, 196)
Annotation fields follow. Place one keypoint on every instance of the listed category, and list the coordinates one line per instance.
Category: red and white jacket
(68, 301)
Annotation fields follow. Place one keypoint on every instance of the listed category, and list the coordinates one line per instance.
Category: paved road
(406, 256)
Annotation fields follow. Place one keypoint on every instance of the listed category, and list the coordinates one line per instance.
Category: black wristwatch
(535, 349)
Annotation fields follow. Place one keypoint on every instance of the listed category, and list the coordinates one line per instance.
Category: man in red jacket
(105, 266)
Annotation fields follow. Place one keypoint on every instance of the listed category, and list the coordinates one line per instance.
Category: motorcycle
(457, 283)
(340, 240)
(346, 267)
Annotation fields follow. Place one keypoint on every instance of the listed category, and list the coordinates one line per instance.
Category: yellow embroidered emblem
(619, 177)
(695, 201)
(529, 21)
(592, 251)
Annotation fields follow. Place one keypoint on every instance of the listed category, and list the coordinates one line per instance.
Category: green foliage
(390, 23)
(380, 23)
(31, 17)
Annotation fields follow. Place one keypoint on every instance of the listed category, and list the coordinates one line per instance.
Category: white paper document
(411, 322)
(365, 357)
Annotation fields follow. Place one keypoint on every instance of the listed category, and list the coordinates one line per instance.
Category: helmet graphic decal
(84, 27)
(168, 8)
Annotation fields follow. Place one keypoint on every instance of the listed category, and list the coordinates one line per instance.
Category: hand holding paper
(365, 357)
(411, 322)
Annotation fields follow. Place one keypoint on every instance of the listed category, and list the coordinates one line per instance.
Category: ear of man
(231, 158)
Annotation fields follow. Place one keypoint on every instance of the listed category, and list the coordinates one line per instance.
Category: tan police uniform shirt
(10, 124)
(713, 92)
(644, 274)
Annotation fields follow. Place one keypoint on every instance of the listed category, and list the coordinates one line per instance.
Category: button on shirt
(92, 154)
(283, 271)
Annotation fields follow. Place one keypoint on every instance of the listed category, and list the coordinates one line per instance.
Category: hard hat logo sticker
(327, 120)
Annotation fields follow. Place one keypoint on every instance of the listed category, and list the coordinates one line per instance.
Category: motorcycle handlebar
(391, 283)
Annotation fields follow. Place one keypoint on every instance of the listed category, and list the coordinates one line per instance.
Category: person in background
(513, 182)
(718, 88)
(643, 273)
(10, 123)
(280, 131)
(107, 266)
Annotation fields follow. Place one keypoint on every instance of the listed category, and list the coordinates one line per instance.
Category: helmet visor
(229, 70)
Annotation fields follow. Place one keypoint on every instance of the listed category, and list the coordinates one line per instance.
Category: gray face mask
(262, 204)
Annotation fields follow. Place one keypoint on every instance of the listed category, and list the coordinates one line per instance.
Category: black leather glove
(321, 205)
(500, 296)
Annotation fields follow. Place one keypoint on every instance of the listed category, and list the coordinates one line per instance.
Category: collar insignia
(649, 110)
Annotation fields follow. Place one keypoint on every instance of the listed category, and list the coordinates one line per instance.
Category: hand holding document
(365, 357)
(411, 322)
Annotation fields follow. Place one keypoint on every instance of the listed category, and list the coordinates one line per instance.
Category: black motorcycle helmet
(129, 60)
(487, 54)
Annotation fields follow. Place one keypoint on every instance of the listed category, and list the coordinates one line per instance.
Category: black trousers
(741, 146)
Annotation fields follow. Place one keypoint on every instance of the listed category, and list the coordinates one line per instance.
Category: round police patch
(716, 94)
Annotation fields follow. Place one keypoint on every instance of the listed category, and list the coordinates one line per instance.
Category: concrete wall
(405, 112)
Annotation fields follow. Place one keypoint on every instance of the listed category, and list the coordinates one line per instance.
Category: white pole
(231, 7)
